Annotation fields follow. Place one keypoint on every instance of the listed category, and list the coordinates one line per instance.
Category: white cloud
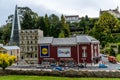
(79, 7)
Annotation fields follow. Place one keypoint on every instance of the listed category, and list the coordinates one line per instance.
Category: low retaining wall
(69, 73)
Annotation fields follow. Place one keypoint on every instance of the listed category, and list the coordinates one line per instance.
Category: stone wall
(67, 73)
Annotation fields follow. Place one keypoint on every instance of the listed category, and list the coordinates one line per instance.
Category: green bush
(118, 48)
(6, 60)
(118, 57)
(110, 51)
(107, 50)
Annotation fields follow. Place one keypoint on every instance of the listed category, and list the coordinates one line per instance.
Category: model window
(35, 31)
(30, 31)
(30, 37)
(27, 42)
(31, 48)
(35, 37)
(31, 55)
(95, 47)
(35, 47)
(84, 54)
(35, 42)
(27, 48)
(35, 55)
(31, 42)
(22, 57)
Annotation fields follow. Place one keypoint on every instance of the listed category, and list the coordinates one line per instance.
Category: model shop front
(68, 51)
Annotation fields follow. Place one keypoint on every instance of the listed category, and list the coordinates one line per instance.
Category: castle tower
(117, 8)
(14, 38)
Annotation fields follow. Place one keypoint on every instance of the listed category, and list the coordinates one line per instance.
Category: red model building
(68, 51)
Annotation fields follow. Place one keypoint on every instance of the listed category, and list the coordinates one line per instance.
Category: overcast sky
(67, 7)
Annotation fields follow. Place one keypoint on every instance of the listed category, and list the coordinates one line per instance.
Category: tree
(41, 24)
(6, 60)
(65, 27)
(54, 25)
(29, 20)
(5, 32)
(87, 23)
(47, 25)
(112, 52)
(61, 34)
(104, 27)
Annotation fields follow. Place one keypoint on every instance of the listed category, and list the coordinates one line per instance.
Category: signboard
(44, 51)
(64, 52)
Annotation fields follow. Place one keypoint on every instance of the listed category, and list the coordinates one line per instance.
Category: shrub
(6, 60)
(107, 50)
(118, 57)
(118, 48)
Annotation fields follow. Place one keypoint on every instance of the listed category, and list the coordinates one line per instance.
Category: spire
(14, 38)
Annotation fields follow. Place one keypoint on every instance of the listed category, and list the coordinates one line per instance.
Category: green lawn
(50, 78)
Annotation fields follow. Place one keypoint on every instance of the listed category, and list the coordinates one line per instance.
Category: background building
(66, 51)
(29, 45)
(11, 50)
(72, 18)
(114, 12)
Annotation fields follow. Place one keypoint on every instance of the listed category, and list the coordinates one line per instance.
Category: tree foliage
(104, 27)
(41, 24)
(64, 27)
(29, 18)
(6, 60)
(61, 34)
(101, 28)
(5, 32)
(87, 23)
(47, 25)
(112, 52)
(54, 25)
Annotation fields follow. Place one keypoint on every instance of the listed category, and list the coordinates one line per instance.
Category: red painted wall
(53, 53)
(74, 55)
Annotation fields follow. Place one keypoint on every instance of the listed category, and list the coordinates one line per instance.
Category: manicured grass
(50, 78)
